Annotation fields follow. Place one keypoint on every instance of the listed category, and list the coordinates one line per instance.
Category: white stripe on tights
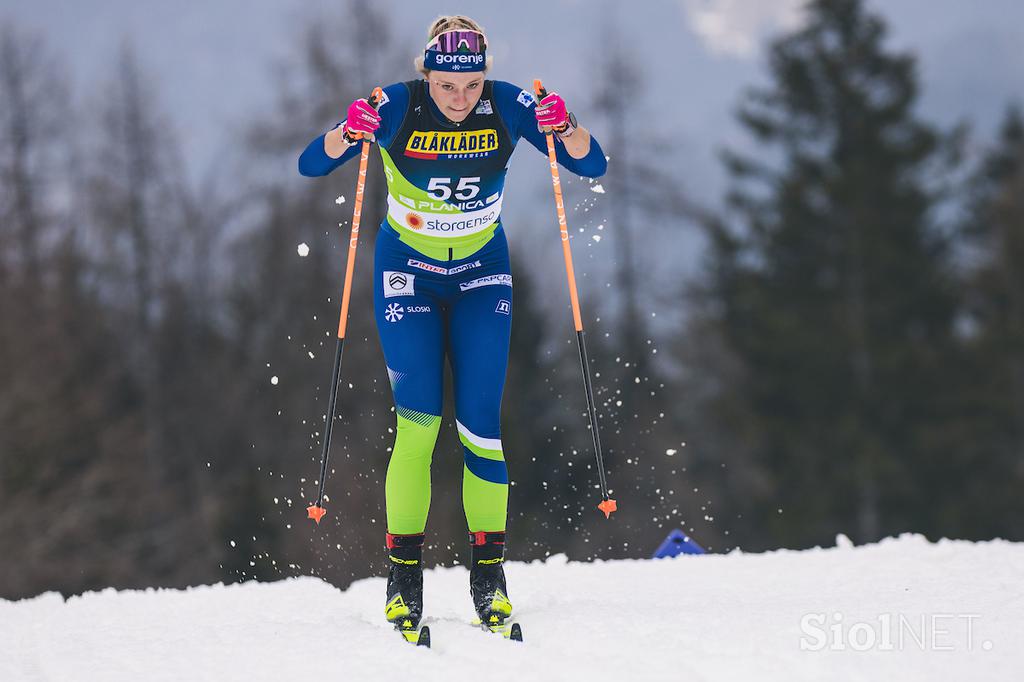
(485, 443)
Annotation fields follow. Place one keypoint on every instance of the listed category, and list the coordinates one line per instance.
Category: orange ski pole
(607, 504)
(316, 510)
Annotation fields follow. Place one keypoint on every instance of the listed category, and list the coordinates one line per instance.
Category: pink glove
(551, 112)
(362, 119)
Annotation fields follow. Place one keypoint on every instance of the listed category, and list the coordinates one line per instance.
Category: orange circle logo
(414, 221)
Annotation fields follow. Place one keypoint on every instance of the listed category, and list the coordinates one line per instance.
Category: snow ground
(944, 611)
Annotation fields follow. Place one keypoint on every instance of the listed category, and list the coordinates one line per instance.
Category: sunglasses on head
(458, 40)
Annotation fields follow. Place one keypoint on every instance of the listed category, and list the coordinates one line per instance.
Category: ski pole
(316, 510)
(607, 504)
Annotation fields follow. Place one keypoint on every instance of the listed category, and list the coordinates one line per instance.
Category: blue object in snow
(677, 543)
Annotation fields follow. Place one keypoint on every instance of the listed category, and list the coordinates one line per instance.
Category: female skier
(443, 285)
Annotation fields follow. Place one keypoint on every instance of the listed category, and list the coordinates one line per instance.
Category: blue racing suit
(443, 284)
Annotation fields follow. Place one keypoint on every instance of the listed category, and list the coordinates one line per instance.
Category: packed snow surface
(902, 609)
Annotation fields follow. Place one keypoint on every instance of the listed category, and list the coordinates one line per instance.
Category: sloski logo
(484, 107)
(394, 312)
(525, 98)
(398, 284)
(489, 280)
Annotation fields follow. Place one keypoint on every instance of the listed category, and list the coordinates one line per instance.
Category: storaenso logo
(445, 225)
(466, 59)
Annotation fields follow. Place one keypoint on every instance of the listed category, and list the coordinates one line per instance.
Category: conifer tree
(994, 393)
(830, 289)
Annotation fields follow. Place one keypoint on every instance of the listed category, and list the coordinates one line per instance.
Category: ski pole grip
(374, 101)
(538, 89)
(375, 97)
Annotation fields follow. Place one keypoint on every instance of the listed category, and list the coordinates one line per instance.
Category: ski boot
(487, 584)
(404, 606)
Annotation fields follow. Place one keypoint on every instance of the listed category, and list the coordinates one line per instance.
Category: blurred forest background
(849, 356)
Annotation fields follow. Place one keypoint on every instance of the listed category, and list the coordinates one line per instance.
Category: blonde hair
(447, 23)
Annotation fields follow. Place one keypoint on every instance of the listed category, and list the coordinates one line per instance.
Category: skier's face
(455, 94)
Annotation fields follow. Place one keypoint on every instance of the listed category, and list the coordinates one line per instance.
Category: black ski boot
(404, 606)
(487, 579)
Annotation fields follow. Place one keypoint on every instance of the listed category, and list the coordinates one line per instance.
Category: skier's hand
(551, 113)
(362, 120)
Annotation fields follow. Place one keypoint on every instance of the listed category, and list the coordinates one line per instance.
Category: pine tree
(994, 443)
(830, 292)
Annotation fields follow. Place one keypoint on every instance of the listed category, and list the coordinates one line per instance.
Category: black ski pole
(607, 504)
(316, 510)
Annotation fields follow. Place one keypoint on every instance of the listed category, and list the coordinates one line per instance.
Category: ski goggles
(456, 50)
